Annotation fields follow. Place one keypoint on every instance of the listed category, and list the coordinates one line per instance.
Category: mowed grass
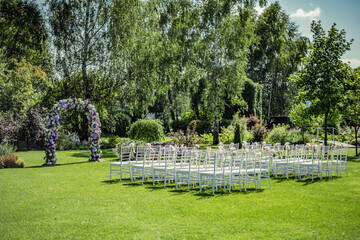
(76, 200)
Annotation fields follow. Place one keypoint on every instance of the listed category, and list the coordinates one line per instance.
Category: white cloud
(313, 14)
(311, 4)
(354, 63)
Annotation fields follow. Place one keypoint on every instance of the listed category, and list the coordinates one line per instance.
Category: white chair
(339, 161)
(282, 166)
(161, 169)
(123, 166)
(326, 165)
(262, 167)
(189, 174)
(213, 173)
(311, 165)
(236, 174)
(143, 169)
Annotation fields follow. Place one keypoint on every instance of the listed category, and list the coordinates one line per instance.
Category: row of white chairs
(310, 161)
(191, 167)
(227, 168)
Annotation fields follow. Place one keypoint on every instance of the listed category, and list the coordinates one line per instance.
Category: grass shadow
(355, 159)
(86, 154)
(58, 164)
(308, 181)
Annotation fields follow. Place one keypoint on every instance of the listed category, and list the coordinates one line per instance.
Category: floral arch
(52, 122)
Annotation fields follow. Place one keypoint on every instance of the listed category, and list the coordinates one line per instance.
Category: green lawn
(76, 200)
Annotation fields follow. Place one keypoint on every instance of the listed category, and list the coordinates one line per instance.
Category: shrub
(189, 139)
(20, 163)
(189, 116)
(207, 138)
(179, 124)
(259, 132)
(279, 133)
(147, 130)
(5, 148)
(113, 140)
(122, 124)
(9, 127)
(237, 134)
(252, 121)
(9, 160)
(225, 123)
(226, 137)
(202, 126)
(67, 140)
(353, 141)
(32, 129)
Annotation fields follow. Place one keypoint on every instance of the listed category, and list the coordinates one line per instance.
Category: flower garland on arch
(52, 122)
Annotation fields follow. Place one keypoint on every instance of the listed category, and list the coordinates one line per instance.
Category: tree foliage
(323, 78)
(351, 106)
(301, 116)
(22, 86)
(274, 56)
(80, 36)
(23, 34)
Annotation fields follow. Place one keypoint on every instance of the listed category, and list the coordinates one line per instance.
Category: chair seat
(115, 164)
(219, 172)
(141, 165)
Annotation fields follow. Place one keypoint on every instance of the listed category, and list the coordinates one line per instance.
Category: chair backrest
(343, 154)
(140, 153)
(263, 160)
(125, 153)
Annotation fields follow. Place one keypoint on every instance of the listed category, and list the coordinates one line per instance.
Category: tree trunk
(325, 122)
(303, 134)
(85, 54)
(270, 95)
(172, 113)
(356, 142)
(216, 132)
(216, 122)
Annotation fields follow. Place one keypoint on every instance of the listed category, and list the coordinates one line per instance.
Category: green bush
(225, 123)
(226, 137)
(207, 138)
(202, 126)
(353, 141)
(180, 124)
(147, 130)
(122, 124)
(188, 116)
(20, 163)
(190, 138)
(5, 148)
(258, 132)
(279, 134)
(237, 134)
(67, 140)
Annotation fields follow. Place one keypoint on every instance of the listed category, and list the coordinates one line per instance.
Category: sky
(345, 13)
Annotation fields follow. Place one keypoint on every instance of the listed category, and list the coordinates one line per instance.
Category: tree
(136, 53)
(80, 36)
(323, 78)
(226, 30)
(21, 87)
(178, 23)
(273, 57)
(301, 117)
(23, 34)
(351, 113)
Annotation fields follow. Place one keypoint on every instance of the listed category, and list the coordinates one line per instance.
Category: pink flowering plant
(52, 122)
